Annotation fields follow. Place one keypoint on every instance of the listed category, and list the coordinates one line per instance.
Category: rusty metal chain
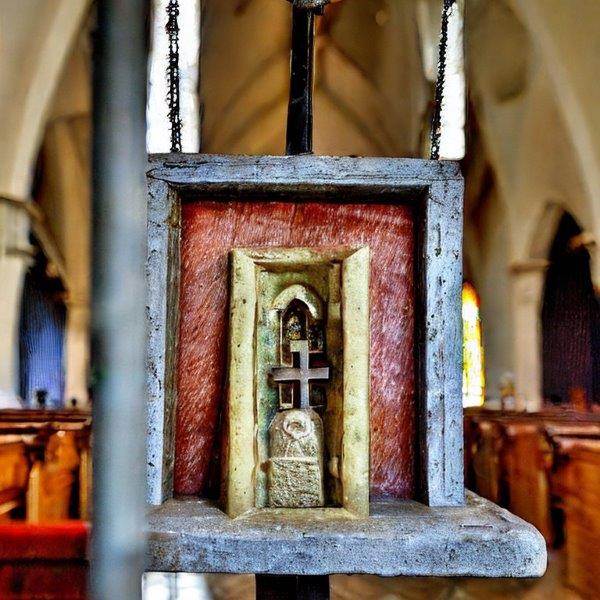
(172, 29)
(436, 121)
(310, 4)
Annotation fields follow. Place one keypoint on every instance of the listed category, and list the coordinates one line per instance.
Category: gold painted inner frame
(258, 278)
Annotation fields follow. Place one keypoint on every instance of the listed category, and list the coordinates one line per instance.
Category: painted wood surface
(209, 230)
(48, 561)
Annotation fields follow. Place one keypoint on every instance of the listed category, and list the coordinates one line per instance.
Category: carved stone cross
(302, 374)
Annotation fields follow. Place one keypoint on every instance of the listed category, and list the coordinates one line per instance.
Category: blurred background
(521, 115)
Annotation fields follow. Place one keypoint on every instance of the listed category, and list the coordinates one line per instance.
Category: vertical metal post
(300, 109)
(118, 299)
(292, 587)
(299, 141)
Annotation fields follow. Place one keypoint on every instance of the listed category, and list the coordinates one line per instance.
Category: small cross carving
(302, 374)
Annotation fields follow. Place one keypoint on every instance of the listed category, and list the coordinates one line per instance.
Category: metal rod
(118, 299)
(436, 121)
(292, 587)
(300, 109)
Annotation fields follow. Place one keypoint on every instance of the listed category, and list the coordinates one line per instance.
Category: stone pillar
(528, 286)
(77, 354)
(14, 260)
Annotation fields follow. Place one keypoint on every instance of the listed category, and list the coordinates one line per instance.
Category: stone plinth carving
(296, 478)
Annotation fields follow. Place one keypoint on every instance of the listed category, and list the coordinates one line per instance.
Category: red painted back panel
(210, 231)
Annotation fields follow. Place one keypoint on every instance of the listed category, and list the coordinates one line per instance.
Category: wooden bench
(511, 456)
(45, 465)
(14, 473)
(44, 561)
(526, 462)
(576, 482)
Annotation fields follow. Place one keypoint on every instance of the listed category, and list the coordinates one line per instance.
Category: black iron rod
(292, 587)
(300, 110)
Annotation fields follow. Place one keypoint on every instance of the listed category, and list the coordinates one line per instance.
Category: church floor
(241, 587)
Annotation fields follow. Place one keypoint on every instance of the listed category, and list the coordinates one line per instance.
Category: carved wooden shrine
(304, 370)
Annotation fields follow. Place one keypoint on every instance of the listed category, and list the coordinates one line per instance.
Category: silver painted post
(119, 245)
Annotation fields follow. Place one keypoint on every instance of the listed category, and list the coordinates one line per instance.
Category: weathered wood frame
(433, 189)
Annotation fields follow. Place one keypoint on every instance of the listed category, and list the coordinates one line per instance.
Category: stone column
(15, 257)
(528, 286)
(77, 354)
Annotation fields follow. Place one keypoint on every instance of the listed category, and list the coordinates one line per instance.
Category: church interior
(520, 117)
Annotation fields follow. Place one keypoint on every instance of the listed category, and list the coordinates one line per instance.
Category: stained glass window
(473, 366)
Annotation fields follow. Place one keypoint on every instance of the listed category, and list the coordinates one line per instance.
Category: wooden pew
(44, 466)
(52, 480)
(576, 482)
(512, 457)
(526, 462)
(44, 562)
(55, 462)
(14, 473)
(485, 449)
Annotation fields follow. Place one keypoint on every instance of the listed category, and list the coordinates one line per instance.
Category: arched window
(473, 365)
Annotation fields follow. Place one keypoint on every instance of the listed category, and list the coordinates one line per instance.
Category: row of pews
(545, 468)
(45, 482)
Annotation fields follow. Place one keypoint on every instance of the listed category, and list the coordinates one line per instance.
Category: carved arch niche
(278, 296)
(301, 317)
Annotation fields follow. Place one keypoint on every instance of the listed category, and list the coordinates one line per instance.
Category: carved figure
(296, 460)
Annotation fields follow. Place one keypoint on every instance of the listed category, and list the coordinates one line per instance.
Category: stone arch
(304, 294)
(23, 113)
(559, 32)
(545, 231)
(547, 226)
(542, 85)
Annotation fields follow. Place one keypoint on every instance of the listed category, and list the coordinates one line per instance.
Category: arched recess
(63, 193)
(570, 321)
(532, 312)
(303, 293)
(528, 278)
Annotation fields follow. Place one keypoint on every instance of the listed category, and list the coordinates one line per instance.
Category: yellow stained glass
(473, 366)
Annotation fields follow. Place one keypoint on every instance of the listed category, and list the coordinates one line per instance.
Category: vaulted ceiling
(35, 41)
(370, 92)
